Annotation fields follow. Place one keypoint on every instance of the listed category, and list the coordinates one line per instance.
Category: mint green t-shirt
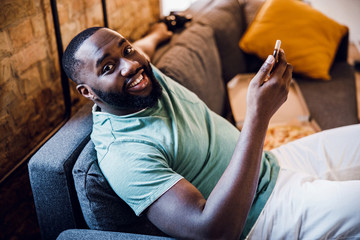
(144, 154)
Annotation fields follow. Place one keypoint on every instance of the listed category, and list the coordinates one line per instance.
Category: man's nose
(128, 67)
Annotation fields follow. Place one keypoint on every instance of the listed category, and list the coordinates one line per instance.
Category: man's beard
(126, 101)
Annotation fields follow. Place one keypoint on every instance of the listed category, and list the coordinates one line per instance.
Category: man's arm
(158, 34)
(184, 213)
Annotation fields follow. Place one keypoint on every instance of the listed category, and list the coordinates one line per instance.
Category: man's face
(117, 76)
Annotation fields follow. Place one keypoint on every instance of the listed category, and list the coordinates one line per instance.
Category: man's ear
(86, 91)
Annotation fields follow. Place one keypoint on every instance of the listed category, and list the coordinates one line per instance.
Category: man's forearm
(233, 195)
(228, 205)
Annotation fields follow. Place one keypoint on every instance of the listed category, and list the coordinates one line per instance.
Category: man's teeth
(137, 81)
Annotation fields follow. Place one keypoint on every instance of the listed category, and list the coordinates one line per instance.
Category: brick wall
(31, 101)
(132, 18)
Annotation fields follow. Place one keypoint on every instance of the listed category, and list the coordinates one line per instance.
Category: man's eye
(128, 50)
(108, 67)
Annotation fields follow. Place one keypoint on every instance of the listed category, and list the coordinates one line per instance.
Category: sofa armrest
(87, 234)
(50, 172)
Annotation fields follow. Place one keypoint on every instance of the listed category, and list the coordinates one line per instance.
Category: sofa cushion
(193, 60)
(332, 103)
(226, 18)
(101, 207)
(309, 38)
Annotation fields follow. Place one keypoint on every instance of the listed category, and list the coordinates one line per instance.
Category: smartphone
(276, 56)
(276, 51)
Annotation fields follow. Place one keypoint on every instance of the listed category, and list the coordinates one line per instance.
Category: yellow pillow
(309, 38)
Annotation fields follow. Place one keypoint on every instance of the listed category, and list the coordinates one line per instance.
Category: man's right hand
(266, 95)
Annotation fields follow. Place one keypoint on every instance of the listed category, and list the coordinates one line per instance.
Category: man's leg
(333, 154)
(318, 189)
(303, 207)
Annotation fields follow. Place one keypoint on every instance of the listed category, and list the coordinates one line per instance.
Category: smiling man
(191, 172)
(129, 90)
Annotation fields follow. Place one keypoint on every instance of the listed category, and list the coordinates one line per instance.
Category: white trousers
(317, 193)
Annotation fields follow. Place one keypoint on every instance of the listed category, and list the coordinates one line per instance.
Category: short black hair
(69, 62)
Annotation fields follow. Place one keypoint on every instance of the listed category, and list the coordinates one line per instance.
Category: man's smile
(138, 82)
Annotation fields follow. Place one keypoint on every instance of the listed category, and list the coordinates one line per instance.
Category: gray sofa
(71, 195)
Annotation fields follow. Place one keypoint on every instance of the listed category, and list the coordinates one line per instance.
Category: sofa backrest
(227, 19)
(192, 59)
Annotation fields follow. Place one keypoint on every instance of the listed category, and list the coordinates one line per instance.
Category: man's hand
(266, 95)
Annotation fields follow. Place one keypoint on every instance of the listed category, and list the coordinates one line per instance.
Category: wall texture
(31, 100)
(30, 103)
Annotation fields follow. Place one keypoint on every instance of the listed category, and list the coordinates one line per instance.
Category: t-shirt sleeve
(138, 172)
